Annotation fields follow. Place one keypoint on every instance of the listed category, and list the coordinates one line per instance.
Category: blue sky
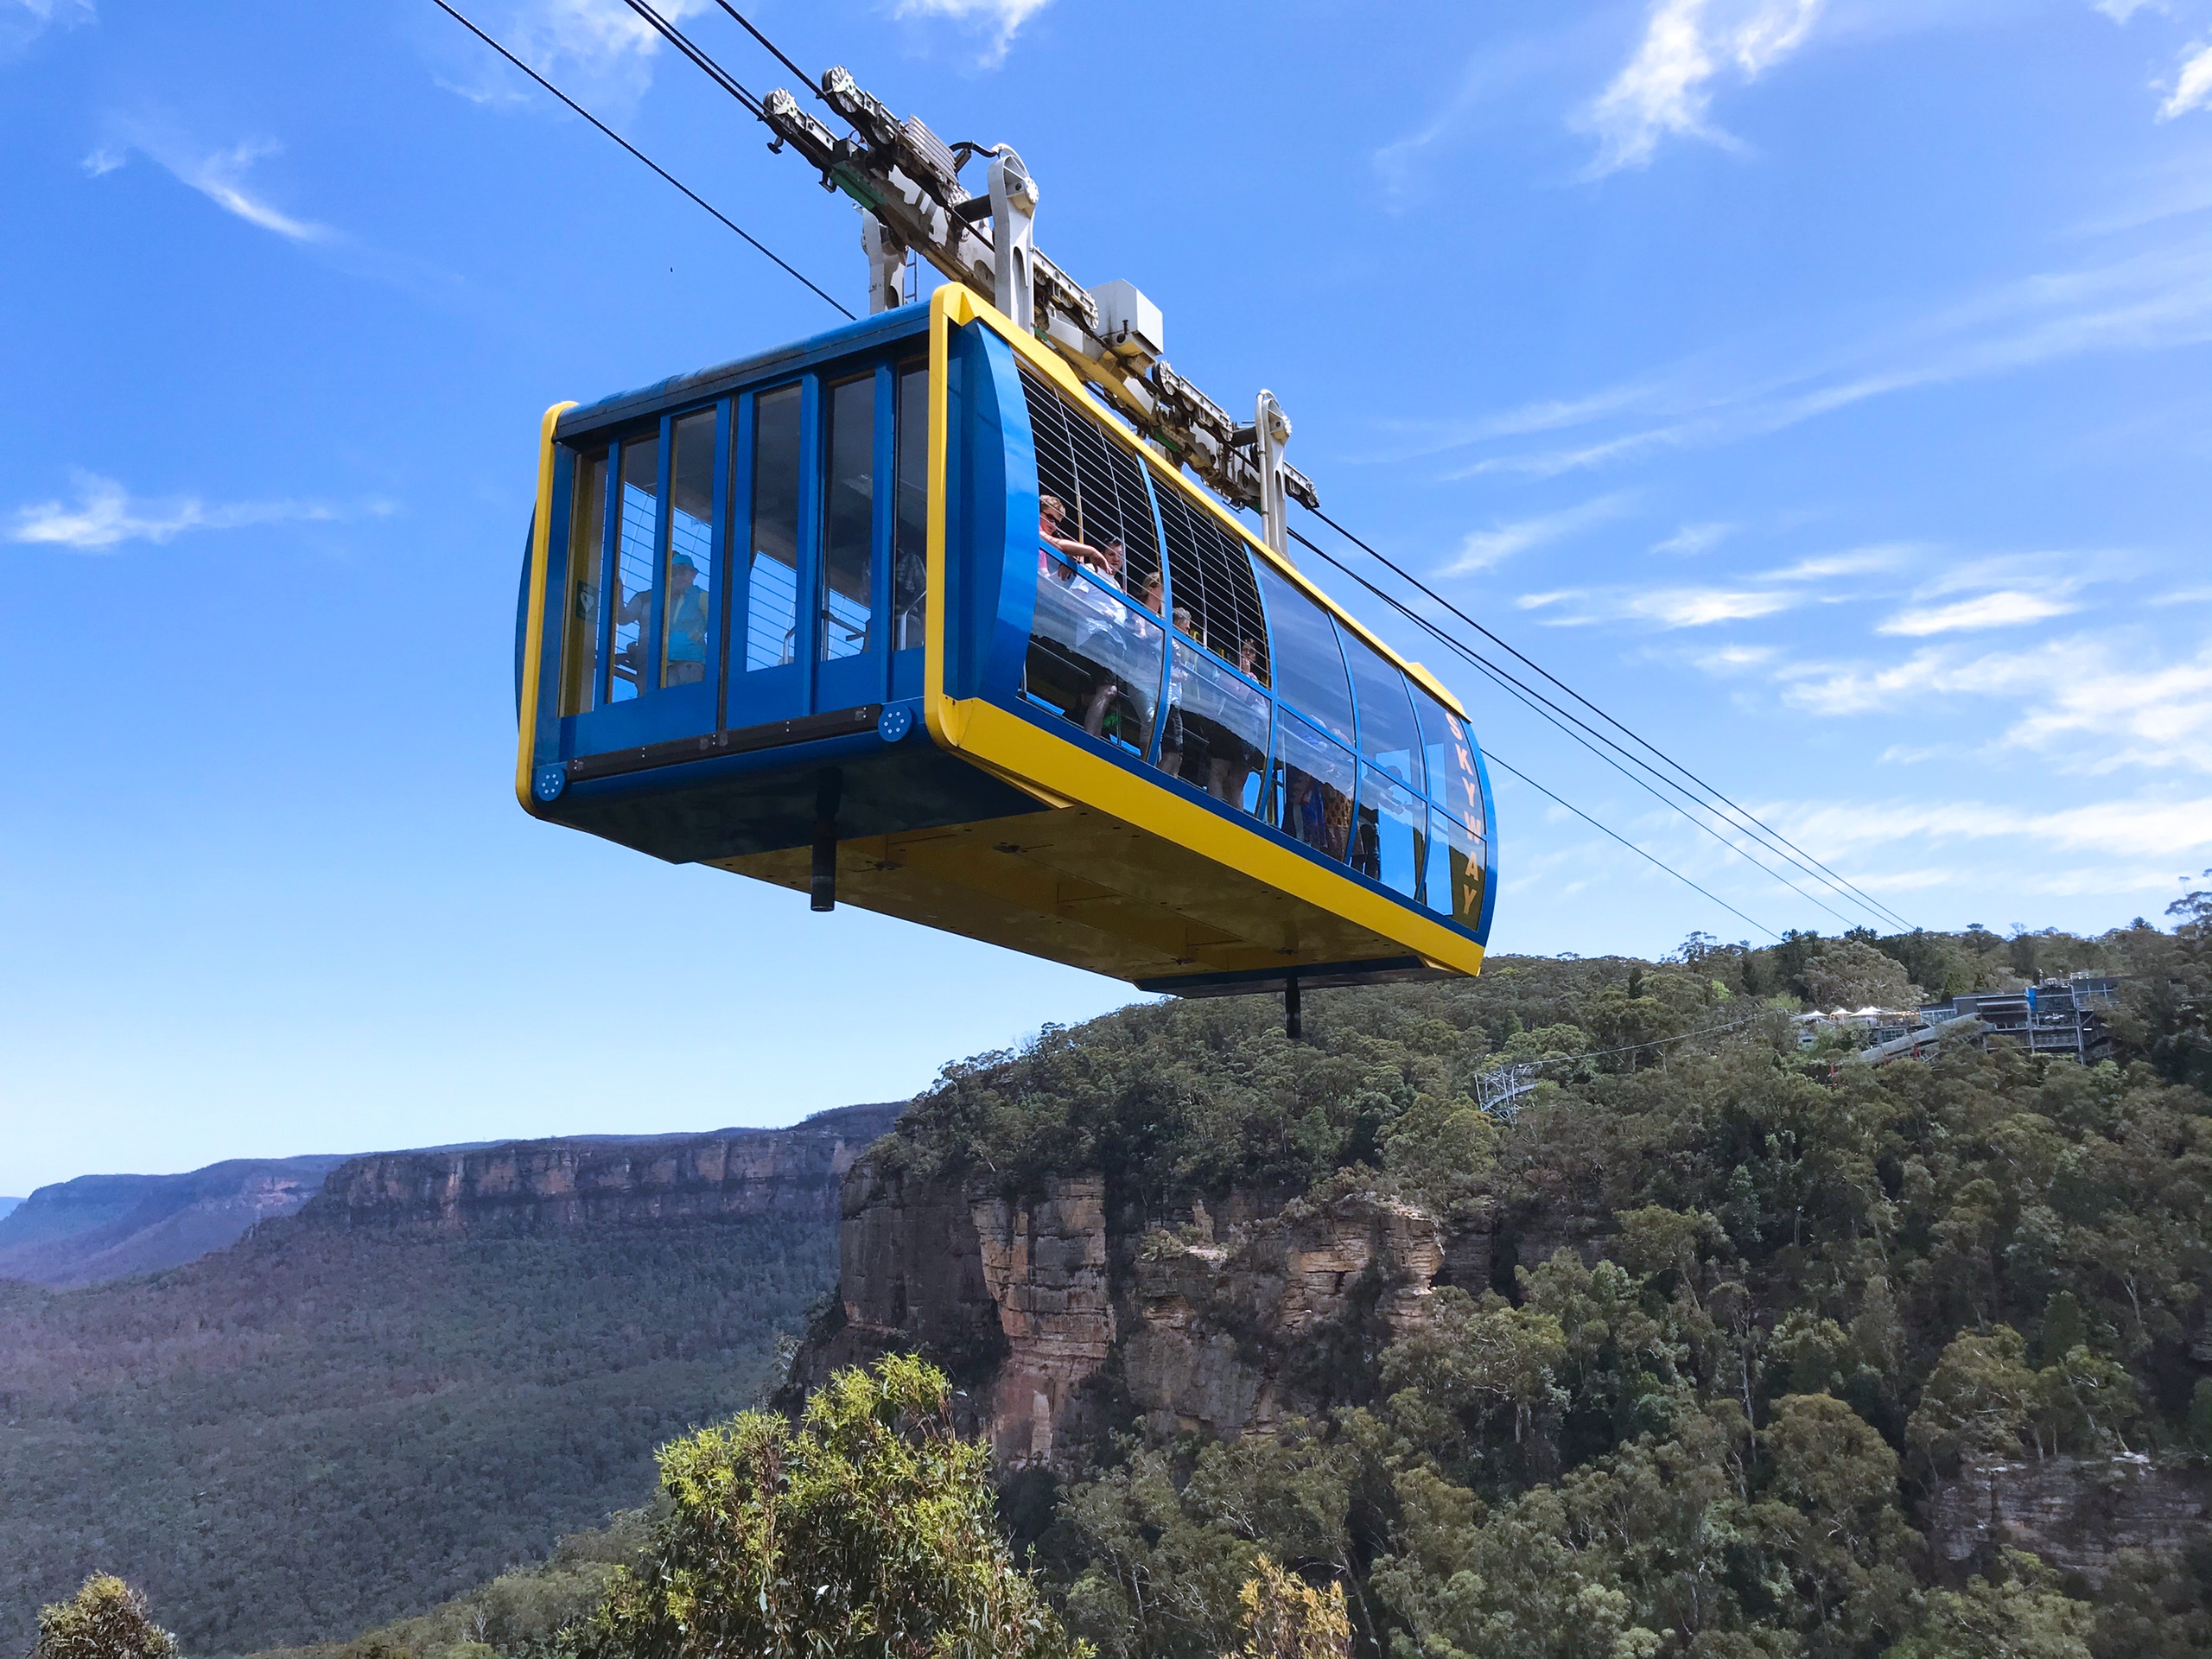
(1824, 388)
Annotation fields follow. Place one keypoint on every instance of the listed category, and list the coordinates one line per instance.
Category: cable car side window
(1094, 659)
(909, 566)
(587, 548)
(1452, 782)
(1391, 844)
(1387, 736)
(1099, 486)
(1456, 858)
(638, 524)
(849, 520)
(1309, 669)
(688, 581)
(771, 605)
(1314, 776)
(1209, 575)
(1223, 723)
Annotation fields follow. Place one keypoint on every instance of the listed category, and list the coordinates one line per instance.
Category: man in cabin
(687, 623)
(1052, 513)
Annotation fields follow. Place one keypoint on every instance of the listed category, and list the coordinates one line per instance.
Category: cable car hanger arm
(907, 180)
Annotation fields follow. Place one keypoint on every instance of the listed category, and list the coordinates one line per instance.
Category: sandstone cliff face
(793, 1173)
(2076, 1513)
(1043, 1310)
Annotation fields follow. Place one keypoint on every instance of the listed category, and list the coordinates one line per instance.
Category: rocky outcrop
(604, 1180)
(1045, 1309)
(2076, 1513)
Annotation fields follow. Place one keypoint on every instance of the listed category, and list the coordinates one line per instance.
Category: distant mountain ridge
(99, 1228)
(445, 1360)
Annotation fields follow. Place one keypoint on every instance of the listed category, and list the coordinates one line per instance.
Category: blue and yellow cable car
(900, 614)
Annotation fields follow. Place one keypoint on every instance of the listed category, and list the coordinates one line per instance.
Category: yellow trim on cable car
(1059, 770)
(533, 645)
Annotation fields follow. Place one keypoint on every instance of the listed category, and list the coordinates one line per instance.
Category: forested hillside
(360, 1409)
(1719, 1347)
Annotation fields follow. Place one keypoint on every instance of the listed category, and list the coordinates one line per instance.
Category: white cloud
(2192, 87)
(2006, 608)
(1695, 538)
(1666, 607)
(1858, 562)
(1481, 549)
(2095, 704)
(104, 516)
(2150, 827)
(221, 178)
(1665, 88)
(218, 175)
(1002, 18)
(2120, 10)
(2157, 300)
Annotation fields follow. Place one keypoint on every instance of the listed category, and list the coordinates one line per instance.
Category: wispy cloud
(1693, 540)
(1482, 548)
(104, 516)
(1856, 561)
(1002, 18)
(2006, 608)
(2095, 703)
(2159, 299)
(1664, 607)
(600, 50)
(2120, 10)
(23, 21)
(2192, 85)
(218, 175)
(1665, 87)
(2146, 827)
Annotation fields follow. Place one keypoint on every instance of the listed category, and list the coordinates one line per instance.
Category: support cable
(1745, 819)
(702, 202)
(805, 79)
(714, 72)
(1537, 703)
(1492, 756)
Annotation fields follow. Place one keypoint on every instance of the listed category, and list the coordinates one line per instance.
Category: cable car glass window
(1456, 857)
(1225, 729)
(1100, 487)
(1313, 778)
(634, 563)
(909, 566)
(849, 520)
(690, 572)
(771, 608)
(1093, 658)
(1209, 575)
(1452, 782)
(1309, 670)
(1391, 842)
(1387, 736)
(580, 620)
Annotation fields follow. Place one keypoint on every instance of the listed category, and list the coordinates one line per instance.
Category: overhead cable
(677, 38)
(702, 202)
(805, 79)
(1514, 688)
(1743, 818)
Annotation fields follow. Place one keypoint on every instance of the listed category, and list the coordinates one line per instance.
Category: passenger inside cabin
(1232, 757)
(687, 623)
(1099, 640)
(1051, 513)
(1173, 735)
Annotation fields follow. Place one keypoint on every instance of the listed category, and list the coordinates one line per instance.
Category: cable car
(900, 614)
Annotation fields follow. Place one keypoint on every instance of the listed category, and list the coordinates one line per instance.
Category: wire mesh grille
(1209, 575)
(1100, 484)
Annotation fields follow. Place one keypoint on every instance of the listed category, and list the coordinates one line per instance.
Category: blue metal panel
(996, 493)
(1489, 845)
